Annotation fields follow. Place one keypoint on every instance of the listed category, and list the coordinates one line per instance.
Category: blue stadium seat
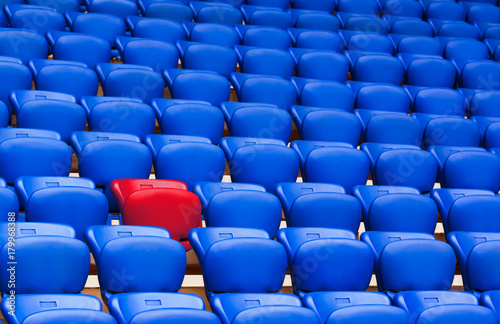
(160, 307)
(172, 10)
(439, 101)
(215, 12)
(189, 159)
(320, 64)
(158, 55)
(330, 162)
(262, 36)
(216, 34)
(446, 10)
(409, 26)
(418, 45)
(33, 44)
(420, 67)
(9, 203)
(53, 75)
(75, 47)
(266, 16)
(370, 42)
(265, 61)
(397, 209)
(38, 18)
(459, 29)
(384, 97)
(324, 5)
(103, 25)
(19, 147)
(60, 5)
(490, 300)
(48, 110)
(316, 39)
(389, 127)
(257, 120)
(314, 19)
(401, 165)
(153, 261)
(485, 104)
(268, 308)
(55, 308)
(480, 75)
(375, 67)
(481, 13)
(156, 28)
(467, 167)
(448, 130)
(323, 94)
(264, 89)
(404, 8)
(119, 115)
(260, 161)
(283, 4)
(129, 80)
(14, 76)
(119, 8)
(189, 117)
(104, 157)
(324, 124)
(302, 244)
(197, 85)
(465, 48)
(227, 254)
(361, 7)
(69, 265)
(470, 210)
(52, 199)
(318, 205)
(358, 306)
(489, 131)
(363, 23)
(209, 57)
(239, 205)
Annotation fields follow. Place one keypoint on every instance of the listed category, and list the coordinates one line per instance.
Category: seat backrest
(103, 25)
(480, 75)
(208, 33)
(484, 104)
(466, 49)
(484, 208)
(393, 98)
(262, 36)
(419, 69)
(34, 44)
(440, 101)
(320, 93)
(378, 68)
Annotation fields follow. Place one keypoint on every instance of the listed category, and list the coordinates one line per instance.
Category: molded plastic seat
(218, 13)
(419, 45)
(446, 10)
(19, 147)
(395, 208)
(319, 205)
(75, 47)
(257, 120)
(389, 127)
(419, 70)
(127, 80)
(439, 102)
(469, 210)
(283, 4)
(262, 36)
(14, 76)
(323, 124)
(314, 19)
(189, 159)
(302, 244)
(459, 131)
(378, 68)
(490, 300)
(29, 17)
(189, 117)
(481, 13)
(330, 162)
(268, 308)
(363, 22)
(103, 25)
(384, 97)
(370, 42)
(465, 49)
(160, 203)
(239, 205)
(208, 33)
(458, 29)
(153, 261)
(53, 75)
(156, 28)
(60, 5)
(136, 308)
(467, 167)
(228, 254)
(158, 55)
(9, 203)
(488, 127)
(119, 115)
(33, 45)
(266, 16)
(48, 110)
(261, 161)
(323, 94)
(104, 157)
(325, 5)
(485, 104)
(320, 64)
(401, 165)
(480, 75)
(265, 89)
(209, 57)
(316, 39)
(405, 8)
(72, 201)
(56, 308)
(265, 61)
(361, 7)
(197, 85)
(172, 10)
(119, 8)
